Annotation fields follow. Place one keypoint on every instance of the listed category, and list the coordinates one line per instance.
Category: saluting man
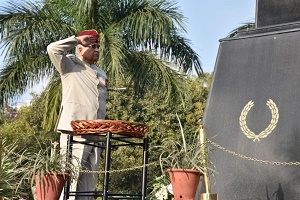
(84, 92)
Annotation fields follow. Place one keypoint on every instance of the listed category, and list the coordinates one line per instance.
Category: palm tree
(140, 40)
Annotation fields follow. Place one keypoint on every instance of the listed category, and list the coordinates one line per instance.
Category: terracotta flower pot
(184, 183)
(50, 186)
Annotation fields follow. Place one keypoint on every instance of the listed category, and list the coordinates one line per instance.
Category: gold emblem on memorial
(250, 134)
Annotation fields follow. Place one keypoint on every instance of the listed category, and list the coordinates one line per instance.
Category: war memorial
(253, 110)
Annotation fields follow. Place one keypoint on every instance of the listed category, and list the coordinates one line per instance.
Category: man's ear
(80, 49)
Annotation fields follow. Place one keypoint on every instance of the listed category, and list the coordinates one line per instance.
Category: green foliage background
(26, 130)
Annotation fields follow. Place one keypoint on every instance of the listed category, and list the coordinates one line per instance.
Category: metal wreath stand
(115, 133)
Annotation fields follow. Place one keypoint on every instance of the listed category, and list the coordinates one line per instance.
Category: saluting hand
(86, 40)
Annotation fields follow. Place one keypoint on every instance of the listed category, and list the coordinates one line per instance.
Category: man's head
(90, 52)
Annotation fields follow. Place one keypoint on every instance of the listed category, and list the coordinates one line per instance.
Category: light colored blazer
(84, 88)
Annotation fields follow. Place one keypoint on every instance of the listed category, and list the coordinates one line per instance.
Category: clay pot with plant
(47, 170)
(185, 160)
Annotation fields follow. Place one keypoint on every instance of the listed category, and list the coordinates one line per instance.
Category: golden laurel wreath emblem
(250, 134)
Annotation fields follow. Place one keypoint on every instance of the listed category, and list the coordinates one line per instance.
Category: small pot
(184, 183)
(50, 186)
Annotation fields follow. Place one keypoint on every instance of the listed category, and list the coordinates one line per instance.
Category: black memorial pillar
(274, 12)
(253, 109)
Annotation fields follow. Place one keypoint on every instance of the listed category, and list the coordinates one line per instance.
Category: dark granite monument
(274, 12)
(253, 109)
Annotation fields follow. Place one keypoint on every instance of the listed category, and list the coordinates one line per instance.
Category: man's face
(89, 54)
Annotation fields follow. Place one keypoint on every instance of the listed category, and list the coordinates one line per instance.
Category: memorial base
(208, 196)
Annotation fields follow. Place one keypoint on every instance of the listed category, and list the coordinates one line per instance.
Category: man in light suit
(84, 92)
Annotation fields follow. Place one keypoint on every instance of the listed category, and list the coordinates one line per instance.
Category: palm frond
(87, 13)
(26, 30)
(149, 73)
(30, 27)
(244, 26)
(181, 53)
(112, 53)
(152, 26)
(149, 22)
(22, 73)
(52, 98)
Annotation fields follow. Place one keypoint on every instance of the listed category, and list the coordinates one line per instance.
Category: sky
(211, 20)
(206, 22)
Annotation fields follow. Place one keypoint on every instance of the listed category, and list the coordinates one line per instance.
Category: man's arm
(56, 52)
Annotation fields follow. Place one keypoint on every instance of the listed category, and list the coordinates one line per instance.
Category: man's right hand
(86, 40)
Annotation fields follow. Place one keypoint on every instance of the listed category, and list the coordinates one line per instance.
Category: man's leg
(89, 159)
(77, 149)
(88, 181)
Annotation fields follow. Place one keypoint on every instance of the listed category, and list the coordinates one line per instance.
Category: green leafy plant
(183, 153)
(50, 160)
(10, 171)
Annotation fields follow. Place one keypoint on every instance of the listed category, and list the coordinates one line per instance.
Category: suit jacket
(84, 88)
